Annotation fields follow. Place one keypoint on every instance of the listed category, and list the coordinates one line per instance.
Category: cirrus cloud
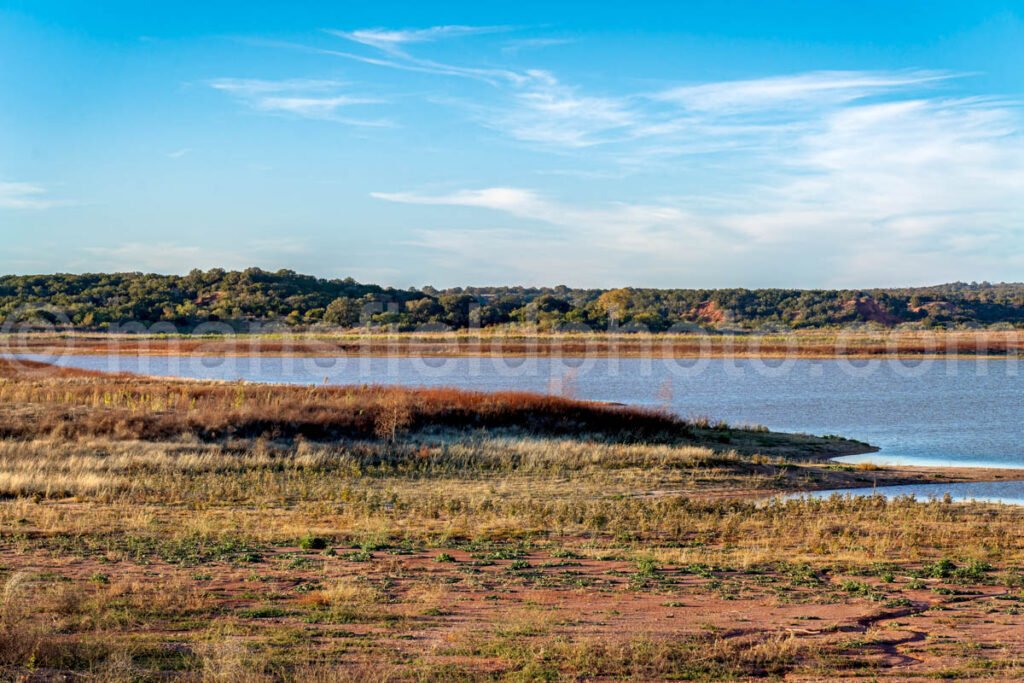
(28, 196)
(304, 98)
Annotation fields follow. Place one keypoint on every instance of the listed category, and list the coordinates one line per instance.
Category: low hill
(289, 299)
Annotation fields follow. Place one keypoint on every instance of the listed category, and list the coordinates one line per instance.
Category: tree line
(102, 301)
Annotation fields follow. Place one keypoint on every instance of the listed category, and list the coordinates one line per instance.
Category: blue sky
(690, 144)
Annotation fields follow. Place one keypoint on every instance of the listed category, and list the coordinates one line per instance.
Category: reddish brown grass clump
(37, 401)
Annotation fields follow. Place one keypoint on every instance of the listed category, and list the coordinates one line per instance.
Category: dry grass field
(172, 530)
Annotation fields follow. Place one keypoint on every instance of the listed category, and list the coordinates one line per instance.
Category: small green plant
(268, 612)
(300, 563)
(702, 570)
(311, 542)
(444, 557)
(940, 569)
(358, 556)
(646, 567)
(973, 571)
(856, 587)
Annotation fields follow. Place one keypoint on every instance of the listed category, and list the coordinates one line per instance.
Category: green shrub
(646, 566)
(311, 542)
(940, 569)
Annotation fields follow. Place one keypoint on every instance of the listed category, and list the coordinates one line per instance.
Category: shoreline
(839, 345)
(816, 453)
(866, 474)
(901, 475)
(411, 353)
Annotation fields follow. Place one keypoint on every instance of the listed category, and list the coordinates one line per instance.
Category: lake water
(938, 412)
(1009, 492)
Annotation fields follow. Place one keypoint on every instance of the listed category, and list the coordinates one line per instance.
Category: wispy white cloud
(532, 105)
(532, 205)
(907, 190)
(535, 106)
(615, 225)
(26, 196)
(935, 180)
(685, 120)
(304, 98)
(252, 87)
(392, 43)
(815, 89)
(310, 107)
(179, 153)
(392, 40)
(546, 111)
(856, 174)
(406, 63)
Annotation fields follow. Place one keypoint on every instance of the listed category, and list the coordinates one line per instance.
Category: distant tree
(615, 302)
(343, 312)
(456, 309)
(424, 310)
(548, 303)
